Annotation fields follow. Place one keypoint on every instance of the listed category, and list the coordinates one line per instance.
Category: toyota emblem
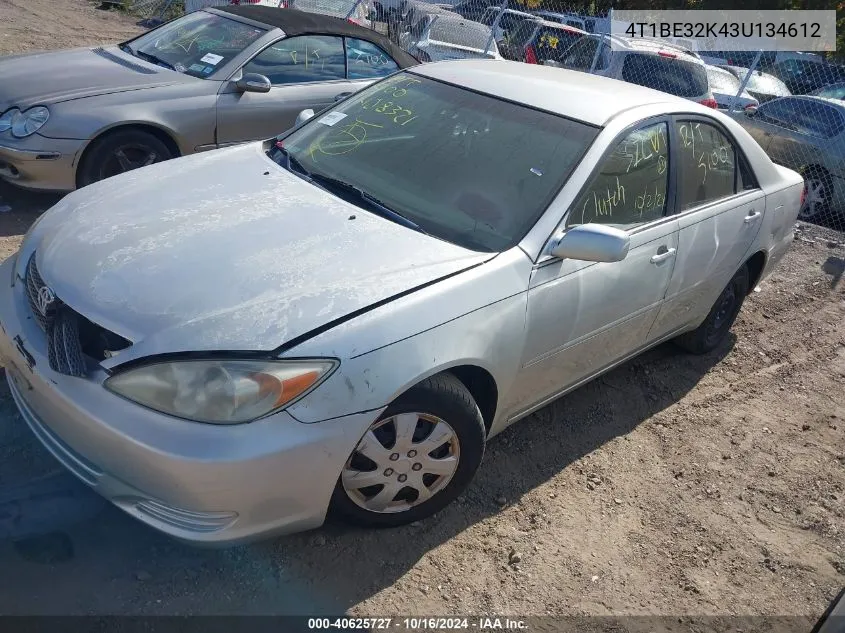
(46, 297)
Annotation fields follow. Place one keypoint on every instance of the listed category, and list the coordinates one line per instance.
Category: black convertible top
(294, 22)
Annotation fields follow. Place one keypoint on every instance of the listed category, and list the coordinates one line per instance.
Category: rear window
(722, 81)
(460, 33)
(766, 84)
(667, 74)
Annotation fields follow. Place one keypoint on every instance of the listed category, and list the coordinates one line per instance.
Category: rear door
(720, 211)
(307, 71)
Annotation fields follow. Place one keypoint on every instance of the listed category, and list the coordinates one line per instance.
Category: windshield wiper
(378, 206)
(128, 49)
(291, 161)
(154, 60)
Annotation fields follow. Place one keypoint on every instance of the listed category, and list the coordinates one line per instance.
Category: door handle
(752, 216)
(342, 95)
(662, 257)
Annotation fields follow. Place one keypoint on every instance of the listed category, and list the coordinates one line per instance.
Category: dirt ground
(673, 485)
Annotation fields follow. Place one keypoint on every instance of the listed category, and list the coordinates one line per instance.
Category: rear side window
(706, 165)
(553, 43)
(817, 119)
(523, 33)
(365, 60)
(630, 188)
(667, 74)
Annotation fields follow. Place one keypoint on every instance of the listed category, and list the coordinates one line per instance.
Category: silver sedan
(229, 345)
(207, 80)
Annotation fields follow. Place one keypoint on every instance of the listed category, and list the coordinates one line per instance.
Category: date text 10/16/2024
(483, 624)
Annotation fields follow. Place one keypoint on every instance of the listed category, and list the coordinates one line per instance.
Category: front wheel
(415, 459)
(710, 334)
(119, 152)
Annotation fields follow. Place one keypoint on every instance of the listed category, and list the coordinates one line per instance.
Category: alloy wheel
(128, 157)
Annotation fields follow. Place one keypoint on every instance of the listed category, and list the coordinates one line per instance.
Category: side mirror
(303, 116)
(751, 111)
(253, 82)
(593, 243)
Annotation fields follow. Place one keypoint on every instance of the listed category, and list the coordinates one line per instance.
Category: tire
(817, 191)
(710, 334)
(138, 147)
(442, 398)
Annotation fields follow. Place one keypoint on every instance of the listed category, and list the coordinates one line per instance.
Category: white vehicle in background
(725, 88)
(445, 36)
(651, 63)
(508, 22)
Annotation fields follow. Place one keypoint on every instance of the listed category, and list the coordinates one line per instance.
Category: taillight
(530, 55)
(283, 4)
(803, 194)
(665, 54)
(710, 103)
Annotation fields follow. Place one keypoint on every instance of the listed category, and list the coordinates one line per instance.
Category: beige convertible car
(209, 79)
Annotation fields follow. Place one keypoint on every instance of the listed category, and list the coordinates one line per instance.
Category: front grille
(64, 349)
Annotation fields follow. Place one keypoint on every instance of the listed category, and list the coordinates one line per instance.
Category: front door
(305, 72)
(585, 316)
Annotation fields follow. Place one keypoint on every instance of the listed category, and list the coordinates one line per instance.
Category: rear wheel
(119, 152)
(817, 191)
(710, 334)
(415, 459)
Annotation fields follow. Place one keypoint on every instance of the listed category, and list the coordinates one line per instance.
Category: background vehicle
(448, 36)
(356, 12)
(802, 76)
(762, 86)
(508, 21)
(538, 41)
(725, 88)
(208, 79)
(806, 134)
(648, 63)
(468, 297)
(564, 18)
(833, 91)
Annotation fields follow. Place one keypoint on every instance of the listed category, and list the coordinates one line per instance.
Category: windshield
(465, 167)
(197, 44)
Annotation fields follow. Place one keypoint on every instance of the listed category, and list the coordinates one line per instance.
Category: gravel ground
(673, 485)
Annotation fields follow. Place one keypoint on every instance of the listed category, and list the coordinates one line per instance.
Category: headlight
(29, 122)
(6, 119)
(220, 391)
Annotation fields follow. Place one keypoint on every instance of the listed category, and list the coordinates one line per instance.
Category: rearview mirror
(253, 82)
(750, 111)
(303, 116)
(593, 243)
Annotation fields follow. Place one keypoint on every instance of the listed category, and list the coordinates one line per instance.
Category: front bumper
(38, 162)
(200, 483)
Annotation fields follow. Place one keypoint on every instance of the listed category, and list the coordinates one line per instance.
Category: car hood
(226, 251)
(53, 77)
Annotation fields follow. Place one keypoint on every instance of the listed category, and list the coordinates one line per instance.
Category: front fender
(476, 318)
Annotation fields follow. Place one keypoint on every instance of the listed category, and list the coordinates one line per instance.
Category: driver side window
(303, 59)
(631, 184)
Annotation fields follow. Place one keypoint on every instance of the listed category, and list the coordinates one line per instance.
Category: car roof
(294, 22)
(644, 44)
(837, 103)
(569, 93)
(561, 27)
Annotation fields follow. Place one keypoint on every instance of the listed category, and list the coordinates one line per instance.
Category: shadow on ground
(72, 553)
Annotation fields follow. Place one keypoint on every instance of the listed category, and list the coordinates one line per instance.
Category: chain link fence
(792, 103)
